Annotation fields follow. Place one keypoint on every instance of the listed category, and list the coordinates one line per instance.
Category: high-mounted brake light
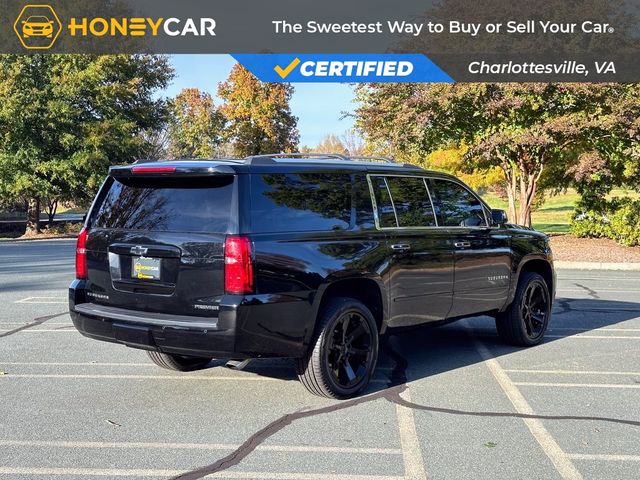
(153, 170)
(238, 265)
(81, 255)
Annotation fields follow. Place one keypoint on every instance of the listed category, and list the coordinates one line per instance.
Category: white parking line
(569, 372)
(600, 337)
(577, 385)
(81, 364)
(598, 290)
(558, 457)
(564, 329)
(27, 323)
(117, 472)
(46, 330)
(605, 457)
(411, 452)
(137, 377)
(44, 300)
(198, 446)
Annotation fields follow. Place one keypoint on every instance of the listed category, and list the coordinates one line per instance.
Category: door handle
(400, 247)
(462, 244)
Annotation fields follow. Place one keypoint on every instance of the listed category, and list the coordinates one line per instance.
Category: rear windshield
(166, 204)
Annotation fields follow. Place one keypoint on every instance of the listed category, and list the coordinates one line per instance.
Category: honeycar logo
(141, 26)
(37, 27)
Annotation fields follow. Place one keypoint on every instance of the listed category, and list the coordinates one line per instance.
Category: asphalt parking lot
(445, 403)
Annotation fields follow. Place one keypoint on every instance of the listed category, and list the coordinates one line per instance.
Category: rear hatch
(156, 239)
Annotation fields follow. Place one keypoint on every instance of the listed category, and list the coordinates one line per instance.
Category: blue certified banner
(348, 68)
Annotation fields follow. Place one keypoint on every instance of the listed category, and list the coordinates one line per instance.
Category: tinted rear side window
(402, 202)
(300, 202)
(362, 202)
(384, 206)
(411, 202)
(458, 207)
(163, 204)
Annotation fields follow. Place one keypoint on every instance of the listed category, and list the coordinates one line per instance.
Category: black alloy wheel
(348, 352)
(343, 352)
(525, 320)
(535, 306)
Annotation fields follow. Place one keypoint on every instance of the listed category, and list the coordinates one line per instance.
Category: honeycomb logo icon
(37, 27)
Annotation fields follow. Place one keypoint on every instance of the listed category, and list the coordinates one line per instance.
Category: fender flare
(515, 279)
(338, 277)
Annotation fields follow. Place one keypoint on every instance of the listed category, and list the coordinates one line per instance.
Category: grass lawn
(555, 214)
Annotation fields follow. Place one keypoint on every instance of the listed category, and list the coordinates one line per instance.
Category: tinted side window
(457, 206)
(411, 201)
(300, 202)
(166, 204)
(384, 207)
(362, 202)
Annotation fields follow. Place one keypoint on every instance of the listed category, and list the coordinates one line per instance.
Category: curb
(39, 239)
(629, 266)
(559, 265)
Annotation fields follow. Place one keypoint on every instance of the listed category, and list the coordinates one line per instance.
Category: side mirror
(499, 217)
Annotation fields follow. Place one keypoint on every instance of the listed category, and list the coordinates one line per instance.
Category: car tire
(180, 363)
(343, 351)
(526, 319)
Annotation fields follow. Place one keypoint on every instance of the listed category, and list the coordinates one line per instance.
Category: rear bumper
(232, 334)
(198, 338)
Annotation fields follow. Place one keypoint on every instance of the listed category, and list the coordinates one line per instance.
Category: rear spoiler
(169, 170)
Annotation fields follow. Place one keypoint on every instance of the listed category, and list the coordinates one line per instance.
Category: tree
(65, 118)
(353, 143)
(522, 128)
(331, 144)
(452, 160)
(258, 114)
(195, 125)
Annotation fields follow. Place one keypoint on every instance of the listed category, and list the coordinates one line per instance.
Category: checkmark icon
(283, 72)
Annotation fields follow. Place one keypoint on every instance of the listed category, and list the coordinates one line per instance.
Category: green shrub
(590, 224)
(625, 224)
(618, 220)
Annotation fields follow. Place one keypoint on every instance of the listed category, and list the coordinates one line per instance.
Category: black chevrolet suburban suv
(308, 257)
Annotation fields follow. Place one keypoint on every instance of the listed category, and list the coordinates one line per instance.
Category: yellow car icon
(37, 26)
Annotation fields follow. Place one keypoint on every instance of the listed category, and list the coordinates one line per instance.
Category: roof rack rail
(374, 158)
(318, 155)
(321, 156)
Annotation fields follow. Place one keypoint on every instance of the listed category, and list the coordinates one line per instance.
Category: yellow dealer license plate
(145, 268)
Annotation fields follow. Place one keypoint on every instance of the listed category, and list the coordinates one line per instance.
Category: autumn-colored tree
(522, 128)
(331, 144)
(452, 160)
(65, 118)
(258, 114)
(353, 142)
(195, 125)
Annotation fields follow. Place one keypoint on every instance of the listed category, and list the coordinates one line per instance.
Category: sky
(318, 106)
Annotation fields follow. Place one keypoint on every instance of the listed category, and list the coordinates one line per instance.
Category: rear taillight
(81, 255)
(238, 266)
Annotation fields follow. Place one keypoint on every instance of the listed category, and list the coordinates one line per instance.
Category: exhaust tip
(237, 364)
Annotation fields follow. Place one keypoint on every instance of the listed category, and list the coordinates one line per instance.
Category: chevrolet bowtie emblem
(138, 250)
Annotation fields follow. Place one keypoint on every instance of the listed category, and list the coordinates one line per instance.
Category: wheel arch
(367, 290)
(537, 264)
